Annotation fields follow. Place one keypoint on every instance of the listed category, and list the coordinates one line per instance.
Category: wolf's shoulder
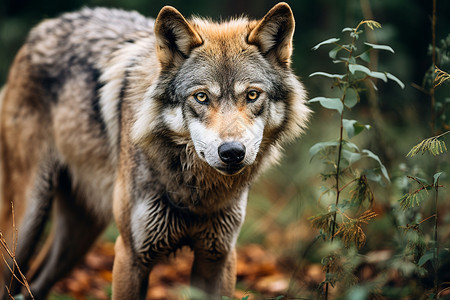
(120, 20)
(90, 25)
(116, 22)
(87, 36)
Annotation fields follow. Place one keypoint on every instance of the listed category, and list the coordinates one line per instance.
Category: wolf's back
(83, 39)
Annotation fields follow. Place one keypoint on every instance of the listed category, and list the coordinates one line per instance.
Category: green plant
(421, 252)
(348, 169)
(424, 252)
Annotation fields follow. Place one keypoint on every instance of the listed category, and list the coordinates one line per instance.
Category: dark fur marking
(122, 94)
(97, 115)
(260, 110)
(171, 43)
(194, 113)
(175, 164)
(177, 208)
(279, 92)
(50, 86)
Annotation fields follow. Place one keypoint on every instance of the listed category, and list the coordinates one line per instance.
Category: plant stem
(433, 131)
(341, 142)
(348, 183)
(442, 134)
(338, 190)
(338, 169)
(436, 239)
(433, 58)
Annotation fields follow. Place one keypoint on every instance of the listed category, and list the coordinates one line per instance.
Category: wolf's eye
(252, 95)
(201, 98)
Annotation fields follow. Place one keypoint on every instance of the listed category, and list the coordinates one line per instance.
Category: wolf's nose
(232, 152)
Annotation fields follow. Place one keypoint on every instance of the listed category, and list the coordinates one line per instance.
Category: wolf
(160, 124)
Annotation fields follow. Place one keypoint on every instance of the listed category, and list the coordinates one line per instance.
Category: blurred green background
(284, 197)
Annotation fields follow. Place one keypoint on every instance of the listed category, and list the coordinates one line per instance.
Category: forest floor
(259, 276)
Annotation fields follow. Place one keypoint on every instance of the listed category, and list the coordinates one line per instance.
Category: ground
(258, 271)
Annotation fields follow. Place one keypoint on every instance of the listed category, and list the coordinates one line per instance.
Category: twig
(347, 184)
(12, 254)
(436, 238)
(426, 219)
(433, 58)
(418, 87)
(12, 271)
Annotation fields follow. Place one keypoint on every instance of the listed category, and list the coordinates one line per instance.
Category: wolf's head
(227, 88)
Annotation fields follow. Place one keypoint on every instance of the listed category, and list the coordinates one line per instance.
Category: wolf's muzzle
(232, 153)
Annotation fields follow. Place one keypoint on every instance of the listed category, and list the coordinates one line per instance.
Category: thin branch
(426, 219)
(15, 266)
(436, 239)
(420, 88)
(433, 58)
(348, 183)
(12, 271)
(418, 182)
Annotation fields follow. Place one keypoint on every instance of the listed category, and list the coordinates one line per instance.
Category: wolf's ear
(273, 34)
(175, 37)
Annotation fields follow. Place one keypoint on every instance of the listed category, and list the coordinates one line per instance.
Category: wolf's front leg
(215, 276)
(130, 278)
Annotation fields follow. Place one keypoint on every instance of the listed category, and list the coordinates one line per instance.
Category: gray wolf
(162, 124)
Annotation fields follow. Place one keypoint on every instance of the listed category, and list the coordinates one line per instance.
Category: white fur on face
(277, 111)
(207, 141)
(174, 119)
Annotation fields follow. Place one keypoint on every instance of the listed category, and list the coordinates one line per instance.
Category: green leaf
(347, 29)
(355, 34)
(399, 82)
(371, 175)
(350, 156)
(350, 145)
(349, 127)
(351, 98)
(355, 67)
(420, 180)
(370, 154)
(378, 75)
(413, 199)
(365, 56)
(326, 42)
(426, 257)
(433, 145)
(333, 53)
(359, 68)
(330, 103)
(380, 47)
(353, 127)
(327, 75)
(436, 177)
(315, 149)
(373, 85)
